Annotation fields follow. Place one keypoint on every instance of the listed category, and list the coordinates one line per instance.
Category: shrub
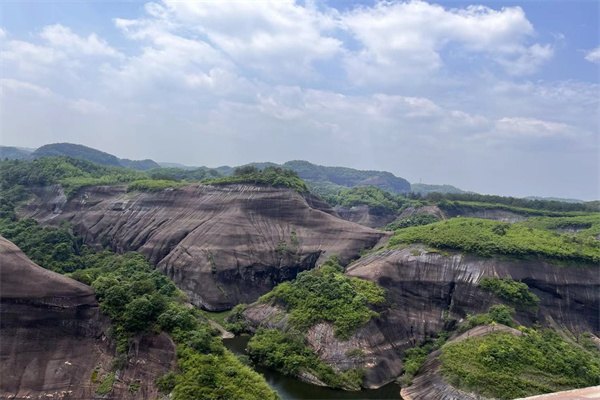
(505, 366)
(516, 293)
(326, 294)
(518, 240)
(286, 352)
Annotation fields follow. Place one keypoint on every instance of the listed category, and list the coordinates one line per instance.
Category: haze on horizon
(489, 98)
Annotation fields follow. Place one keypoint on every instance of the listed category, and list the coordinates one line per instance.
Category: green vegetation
(217, 377)
(106, 385)
(53, 248)
(515, 203)
(583, 226)
(272, 176)
(458, 207)
(287, 352)
(487, 238)
(415, 220)
(89, 154)
(347, 177)
(514, 292)
(326, 294)
(71, 173)
(153, 185)
(424, 189)
(497, 314)
(140, 300)
(415, 357)
(180, 174)
(235, 321)
(505, 366)
(377, 199)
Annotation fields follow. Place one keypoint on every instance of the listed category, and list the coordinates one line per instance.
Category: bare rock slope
(49, 326)
(52, 342)
(222, 245)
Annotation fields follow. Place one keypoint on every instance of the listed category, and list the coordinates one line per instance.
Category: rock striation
(222, 245)
(53, 342)
(428, 291)
(49, 326)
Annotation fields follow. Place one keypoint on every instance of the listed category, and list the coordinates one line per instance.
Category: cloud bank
(446, 95)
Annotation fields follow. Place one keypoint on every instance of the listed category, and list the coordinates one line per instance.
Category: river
(289, 388)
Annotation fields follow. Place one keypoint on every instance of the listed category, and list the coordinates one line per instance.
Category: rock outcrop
(52, 338)
(222, 245)
(365, 215)
(49, 326)
(430, 291)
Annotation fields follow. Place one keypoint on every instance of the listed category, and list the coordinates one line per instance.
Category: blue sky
(495, 97)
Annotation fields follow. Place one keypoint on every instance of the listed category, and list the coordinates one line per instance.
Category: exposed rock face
(430, 291)
(425, 210)
(49, 326)
(52, 338)
(365, 215)
(221, 244)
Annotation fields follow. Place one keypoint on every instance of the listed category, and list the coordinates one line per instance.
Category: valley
(337, 284)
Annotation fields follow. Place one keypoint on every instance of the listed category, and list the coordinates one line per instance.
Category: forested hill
(93, 155)
(329, 180)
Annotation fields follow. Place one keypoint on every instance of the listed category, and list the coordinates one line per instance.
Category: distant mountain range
(75, 151)
(321, 179)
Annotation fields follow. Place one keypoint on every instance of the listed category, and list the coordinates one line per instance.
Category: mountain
(90, 154)
(347, 177)
(424, 188)
(14, 153)
(222, 245)
(326, 180)
(175, 165)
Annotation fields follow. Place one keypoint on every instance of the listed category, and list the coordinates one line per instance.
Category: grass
(504, 366)
(488, 238)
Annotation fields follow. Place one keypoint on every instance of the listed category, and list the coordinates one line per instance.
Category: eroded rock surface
(52, 338)
(429, 291)
(222, 245)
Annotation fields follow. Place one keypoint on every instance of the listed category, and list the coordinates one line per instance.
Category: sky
(498, 97)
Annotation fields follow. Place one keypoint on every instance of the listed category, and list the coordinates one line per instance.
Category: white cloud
(61, 37)
(411, 87)
(2, 33)
(277, 39)
(593, 55)
(14, 85)
(531, 127)
(28, 57)
(401, 38)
